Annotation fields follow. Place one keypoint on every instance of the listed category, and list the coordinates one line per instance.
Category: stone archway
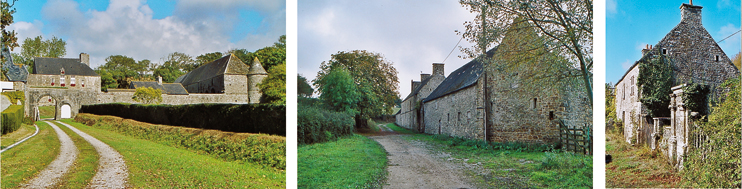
(46, 107)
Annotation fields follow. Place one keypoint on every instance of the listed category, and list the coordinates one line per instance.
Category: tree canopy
(339, 91)
(274, 86)
(123, 69)
(9, 38)
(303, 87)
(38, 47)
(375, 76)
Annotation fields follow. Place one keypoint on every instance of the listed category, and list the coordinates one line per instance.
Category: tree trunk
(360, 122)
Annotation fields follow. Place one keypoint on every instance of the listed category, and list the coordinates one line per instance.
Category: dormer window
(61, 71)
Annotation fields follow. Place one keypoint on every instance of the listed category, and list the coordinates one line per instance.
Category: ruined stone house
(494, 98)
(695, 57)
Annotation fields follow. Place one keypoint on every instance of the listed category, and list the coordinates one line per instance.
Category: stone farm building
(695, 57)
(69, 83)
(492, 104)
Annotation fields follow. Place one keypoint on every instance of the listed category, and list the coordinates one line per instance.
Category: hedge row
(316, 124)
(250, 118)
(266, 150)
(12, 118)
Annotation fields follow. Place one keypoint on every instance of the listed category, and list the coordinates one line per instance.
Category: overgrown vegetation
(696, 98)
(656, 81)
(316, 124)
(351, 162)
(716, 162)
(15, 96)
(12, 118)
(251, 118)
(147, 95)
(265, 150)
(157, 165)
(636, 166)
(514, 165)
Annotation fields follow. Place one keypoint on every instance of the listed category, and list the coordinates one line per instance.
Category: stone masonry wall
(235, 84)
(456, 114)
(87, 83)
(628, 106)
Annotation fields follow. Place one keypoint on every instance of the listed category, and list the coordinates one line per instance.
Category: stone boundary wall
(198, 98)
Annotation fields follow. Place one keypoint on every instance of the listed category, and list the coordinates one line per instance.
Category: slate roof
(467, 75)
(167, 88)
(417, 90)
(256, 67)
(52, 66)
(227, 65)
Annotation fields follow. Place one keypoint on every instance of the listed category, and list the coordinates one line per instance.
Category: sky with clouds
(151, 30)
(630, 25)
(411, 34)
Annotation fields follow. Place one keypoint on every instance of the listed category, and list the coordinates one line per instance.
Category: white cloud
(25, 30)
(732, 43)
(611, 7)
(626, 64)
(128, 28)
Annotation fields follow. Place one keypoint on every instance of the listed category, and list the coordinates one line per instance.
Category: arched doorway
(47, 107)
(65, 111)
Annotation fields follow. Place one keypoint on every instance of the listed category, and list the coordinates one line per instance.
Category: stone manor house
(69, 83)
(481, 103)
(695, 57)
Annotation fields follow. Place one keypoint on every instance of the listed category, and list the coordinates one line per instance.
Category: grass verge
(85, 166)
(24, 161)
(11, 138)
(637, 166)
(512, 165)
(351, 162)
(47, 112)
(155, 165)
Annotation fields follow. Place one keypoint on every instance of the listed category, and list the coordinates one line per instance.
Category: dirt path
(67, 155)
(411, 165)
(112, 171)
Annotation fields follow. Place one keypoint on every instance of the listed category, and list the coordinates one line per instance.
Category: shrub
(15, 96)
(12, 118)
(266, 150)
(316, 124)
(251, 118)
(148, 95)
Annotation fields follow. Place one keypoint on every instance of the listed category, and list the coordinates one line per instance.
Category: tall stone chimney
(691, 14)
(424, 76)
(85, 59)
(415, 84)
(438, 69)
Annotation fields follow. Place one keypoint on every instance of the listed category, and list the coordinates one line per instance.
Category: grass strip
(155, 165)
(512, 165)
(351, 162)
(85, 166)
(17, 135)
(26, 160)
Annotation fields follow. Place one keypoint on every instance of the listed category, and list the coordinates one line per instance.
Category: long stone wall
(457, 114)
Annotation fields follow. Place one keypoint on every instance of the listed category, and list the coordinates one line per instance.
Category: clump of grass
(261, 149)
(351, 162)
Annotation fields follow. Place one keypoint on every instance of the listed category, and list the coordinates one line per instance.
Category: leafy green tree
(655, 82)
(124, 69)
(270, 56)
(38, 47)
(304, 89)
(204, 59)
(147, 95)
(375, 76)
(274, 87)
(9, 38)
(107, 80)
(168, 72)
(338, 90)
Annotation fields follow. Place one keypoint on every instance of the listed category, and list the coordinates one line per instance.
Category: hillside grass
(637, 166)
(11, 138)
(24, 161)
(85, 166)
(155, 165)
(47, 112)
(350, 162)
(512, 165)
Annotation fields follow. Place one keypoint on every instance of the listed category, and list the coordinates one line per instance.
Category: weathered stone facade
(458, 114)
(695, 57)
(410, 116)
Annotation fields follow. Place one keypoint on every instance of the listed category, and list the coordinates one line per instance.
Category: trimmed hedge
(249, 118)
(316, 124)
(12, 118)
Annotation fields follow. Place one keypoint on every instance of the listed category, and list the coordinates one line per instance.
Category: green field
(155, 165)
(512, 165)
(27, 159)
(17, 135)
(350, 162)
(47, 112)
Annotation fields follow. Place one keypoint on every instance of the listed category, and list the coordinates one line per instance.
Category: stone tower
(254, 77)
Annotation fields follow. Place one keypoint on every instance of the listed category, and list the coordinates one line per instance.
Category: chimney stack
(438, 69)
(424, 76)
(646, 50)
(415, 84)
(85, 59)
(691, 14)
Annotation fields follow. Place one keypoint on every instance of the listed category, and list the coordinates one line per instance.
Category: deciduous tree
(124, 69)
(338, 90)
(38, 47)
(303, 87)
(9, 39)
(274, 87)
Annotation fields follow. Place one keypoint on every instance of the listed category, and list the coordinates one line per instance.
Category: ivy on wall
(696, 98)
(656, 80)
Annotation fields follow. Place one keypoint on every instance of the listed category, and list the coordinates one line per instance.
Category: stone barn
(695, 57)
(410, 115)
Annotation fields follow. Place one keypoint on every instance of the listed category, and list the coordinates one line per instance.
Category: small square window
(664, 51)
(716, 58)
(551, 115)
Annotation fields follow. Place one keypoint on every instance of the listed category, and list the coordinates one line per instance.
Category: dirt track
(411, 165)
(112, 172)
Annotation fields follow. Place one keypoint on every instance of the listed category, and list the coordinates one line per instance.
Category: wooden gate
(578, 140)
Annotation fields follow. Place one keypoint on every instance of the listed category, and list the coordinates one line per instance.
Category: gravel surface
(411, 165)
(112, 171)
(51, 174)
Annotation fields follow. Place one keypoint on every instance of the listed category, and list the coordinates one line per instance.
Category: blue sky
(151, 29)
(630, 25)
